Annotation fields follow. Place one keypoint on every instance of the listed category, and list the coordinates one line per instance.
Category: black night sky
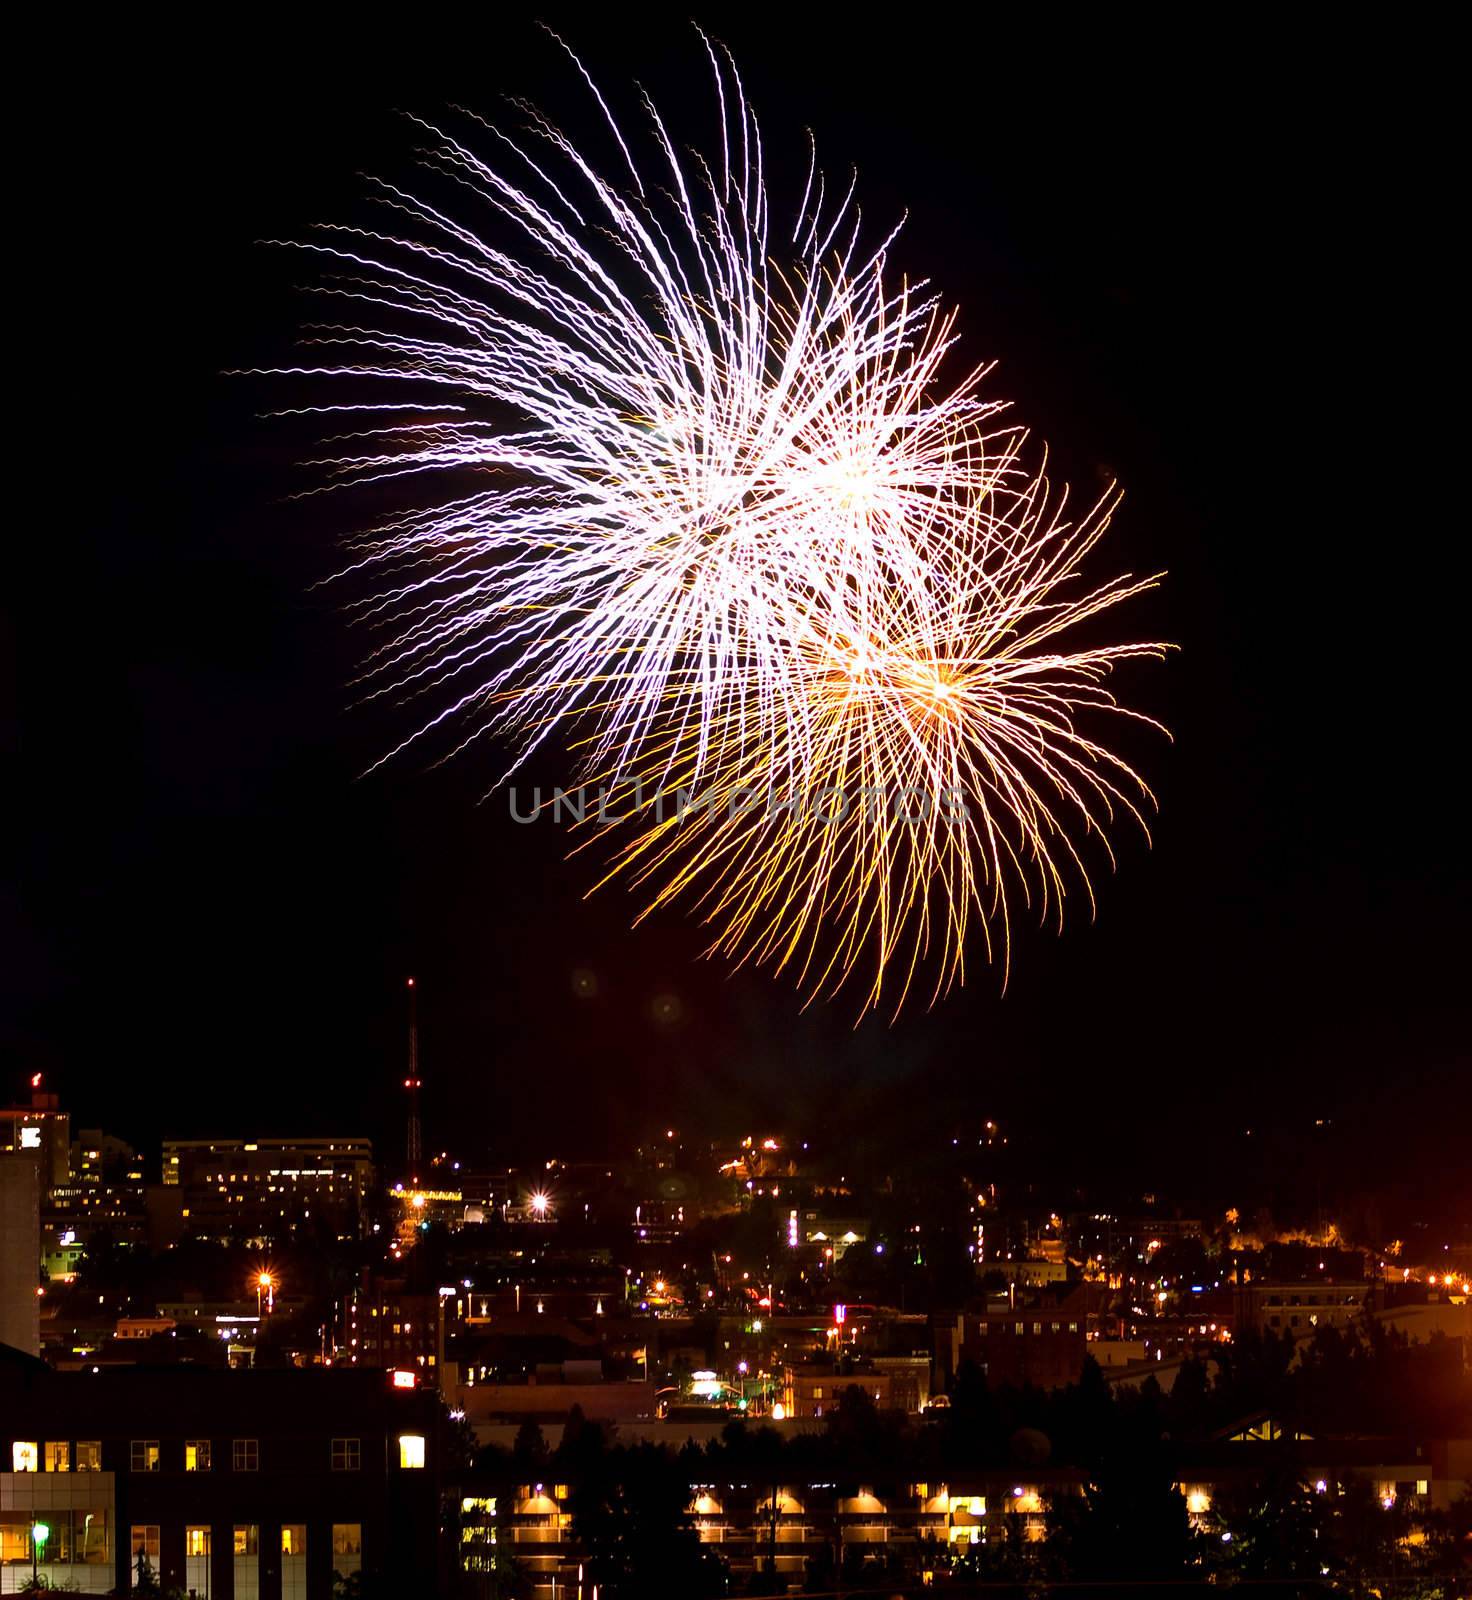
(1220, 268)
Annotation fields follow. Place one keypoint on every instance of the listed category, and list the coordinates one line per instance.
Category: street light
(40, 1533)
(265, 1285)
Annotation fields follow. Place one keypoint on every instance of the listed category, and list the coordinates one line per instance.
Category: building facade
(43, 1128)
(237, 1485)
(269, 1189)
(20, 1251)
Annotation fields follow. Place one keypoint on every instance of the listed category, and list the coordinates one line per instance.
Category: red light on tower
(35, 1080)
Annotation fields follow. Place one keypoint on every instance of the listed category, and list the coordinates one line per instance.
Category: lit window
(245, 1455)
(196, 1455)
(411, 1450)
(58, 1456)
(89, 1455)
(347, 1455)
(347, 1538)
(144, 1548)
(246, 1541)
(143, 1455)
(25, 1455)
(196, 1541)
(293, 1539)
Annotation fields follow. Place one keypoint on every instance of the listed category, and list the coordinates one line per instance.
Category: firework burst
(952, 756)
(730, 532)
(679, 438)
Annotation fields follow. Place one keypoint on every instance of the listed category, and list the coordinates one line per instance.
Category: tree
(1130, 1522)
(1447, 1551)
(630, 1512)
(1271, 1525)
(1012, 1559)
(1362, 1538)
(529, 1454)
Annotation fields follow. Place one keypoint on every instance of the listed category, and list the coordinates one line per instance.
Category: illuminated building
(552, 1394)
(1040, 1341)
(419, 1207)
(833, 1235)
(814, 1390)
(105, 1191)
(1299, 1308)
(390, 1327)
(42, 1127)
(251, 1485)
(1032, 1273)
(1124, 1241)
(909, 1380)
(238, 1190)
(793, 1523)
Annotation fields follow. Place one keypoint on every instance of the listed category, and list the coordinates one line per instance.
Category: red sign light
(406, 1380)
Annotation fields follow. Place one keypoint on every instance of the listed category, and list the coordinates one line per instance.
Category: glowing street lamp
(265, 1285)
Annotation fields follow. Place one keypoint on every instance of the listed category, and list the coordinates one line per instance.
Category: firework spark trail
(947, 769)
(704, 437)
(736, 531)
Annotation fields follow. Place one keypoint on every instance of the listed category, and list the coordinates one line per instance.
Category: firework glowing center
(730, 529)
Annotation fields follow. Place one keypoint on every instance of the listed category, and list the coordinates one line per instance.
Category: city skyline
(399, 1199)
(237, 892)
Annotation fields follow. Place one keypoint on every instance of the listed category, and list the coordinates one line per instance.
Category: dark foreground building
(239, 1485)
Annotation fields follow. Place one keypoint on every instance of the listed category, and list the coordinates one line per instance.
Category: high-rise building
(268, 1189)
(20, 1251)
(105, 1196)
(43, 1127)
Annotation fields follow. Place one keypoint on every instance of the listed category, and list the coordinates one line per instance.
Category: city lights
(265, 1287)
(632, 600)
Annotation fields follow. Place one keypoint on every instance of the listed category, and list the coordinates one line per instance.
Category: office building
(264, 1190)
(240, 1485)
(43, 1128)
